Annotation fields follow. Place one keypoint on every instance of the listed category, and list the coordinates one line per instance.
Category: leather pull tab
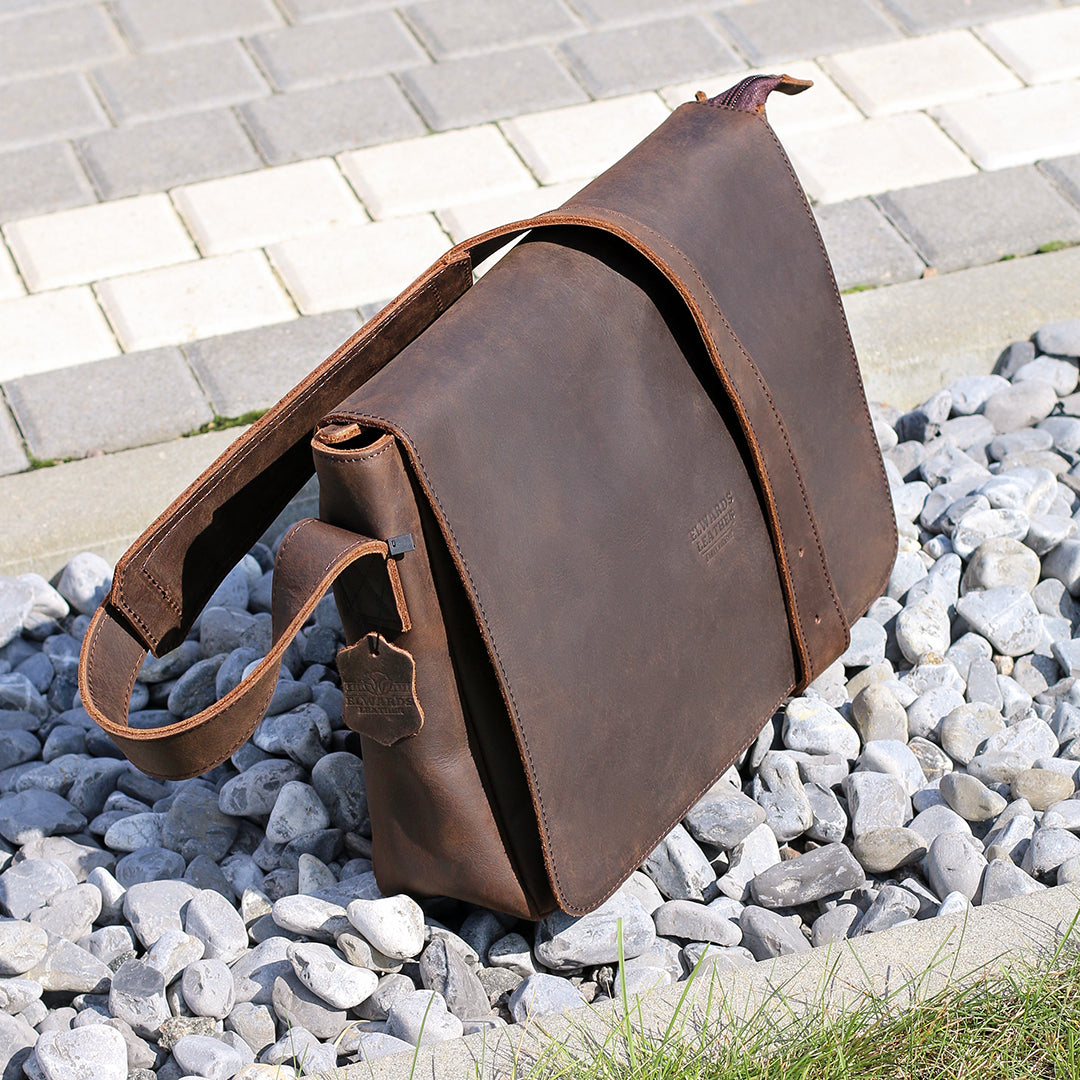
(379, 683)
(751, 94)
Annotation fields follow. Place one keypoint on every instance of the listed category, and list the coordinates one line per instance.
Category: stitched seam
(840, 304)
(167, 528)
(780, 426)
(354, 455)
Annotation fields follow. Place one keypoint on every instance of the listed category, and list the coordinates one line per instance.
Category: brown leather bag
(588, 522)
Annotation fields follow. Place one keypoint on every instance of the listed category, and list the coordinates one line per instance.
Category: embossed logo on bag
(378, 683)
(712, 532)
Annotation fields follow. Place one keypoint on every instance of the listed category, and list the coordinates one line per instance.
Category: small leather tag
(379, 683)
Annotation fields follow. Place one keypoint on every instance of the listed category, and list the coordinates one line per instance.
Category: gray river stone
(442, 969)
(867, 645)
(878, 714)
(1006, 616)
(1003, 879)
(204, 1056)
(326, 973)
(1059, 338)
(954, 864)
(149, 864)
(834, 925)
(1001, 561)
(875, 801)
(813, 726)
(209, 988)
(748, 858)
(172, 952)
(812, 876)
(971, 798)
(967, 727)
(137, 996)
(421, 1018)
(723, 817)
(922, 627)
(217, 924)
(172, 665)
(566, 942)
(1059, 374)
(892, 906)
(679, 867)
(892, 757)
(933, 761)
(1031, 739)
(690, 921)
(263, 965)
(152, 907)
(70, 913)
(1063, 563)
(830, 821)
(252, 793)
(541, 995)
(28, 885)
(84, 581)
(254, 1024)
(297, 810)
(22, 946)
(16, 603)
(1020, 406)
(977, 526)
(767, 934)
(196, 689)
(882, 850)
(135, 831)
(936, 820)
(787, 809)
(1042, 787)
(338, 778)
(30, 815)
(301, 734)
(69, 967)
(1048, 849)
(394, 925)
(97, 1051)
(194, 825)
(970, 392)
(927, 712)
(295, 1004)
(310, 916)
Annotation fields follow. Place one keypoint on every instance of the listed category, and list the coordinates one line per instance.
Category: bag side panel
(434, 827)
(716, 182)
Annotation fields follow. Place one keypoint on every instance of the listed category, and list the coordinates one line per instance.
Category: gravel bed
(222, 926)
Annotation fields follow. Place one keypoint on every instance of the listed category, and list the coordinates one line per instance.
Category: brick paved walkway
(200, 198)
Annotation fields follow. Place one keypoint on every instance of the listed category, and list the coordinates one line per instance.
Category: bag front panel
(569, 430)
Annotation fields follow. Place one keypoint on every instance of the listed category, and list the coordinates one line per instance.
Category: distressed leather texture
(633, 531)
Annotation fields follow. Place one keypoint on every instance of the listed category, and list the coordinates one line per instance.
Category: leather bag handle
(311, 556)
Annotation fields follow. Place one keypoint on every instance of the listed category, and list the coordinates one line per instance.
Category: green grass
(220, 423)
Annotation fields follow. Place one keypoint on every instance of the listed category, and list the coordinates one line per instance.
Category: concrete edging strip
(908, 963)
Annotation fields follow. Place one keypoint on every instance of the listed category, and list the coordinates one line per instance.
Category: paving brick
(1065, 172)
(306, 10)
(163, 24)
(469, 219)
(178, 81)
(903, 76)
(161, 154)
(620, 61)
(606, 13)
(15, 7)
(72, 247)
(1040, 48)
(452, 28)
(350, 267)
(260, 208)
(10, 284)
(766, 31)
(41, 179)
(12, 455)
(437, 170)
(332, 49)
(863, 247)
(329, 119)
(112, 404)
(194, 300)
(581, 141)
(1017, 128)
(874, 155)
(925, 16)
(48, 42)
(52, 330)
(979, 219)
(255, 368)
(39, 110)
(823, 105)
(456, 93)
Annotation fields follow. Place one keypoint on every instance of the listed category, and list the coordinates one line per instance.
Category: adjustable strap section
(819, 627)
(310, 558)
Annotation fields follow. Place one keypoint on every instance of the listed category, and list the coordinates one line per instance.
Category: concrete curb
(908, 963)
(913, 338)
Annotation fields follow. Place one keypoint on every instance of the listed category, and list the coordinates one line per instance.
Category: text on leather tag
(714, 529)
(378, 681)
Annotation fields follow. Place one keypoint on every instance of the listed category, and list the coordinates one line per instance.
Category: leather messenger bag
(586, 522)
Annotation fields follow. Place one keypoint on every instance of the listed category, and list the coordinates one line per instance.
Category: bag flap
(586, 470)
